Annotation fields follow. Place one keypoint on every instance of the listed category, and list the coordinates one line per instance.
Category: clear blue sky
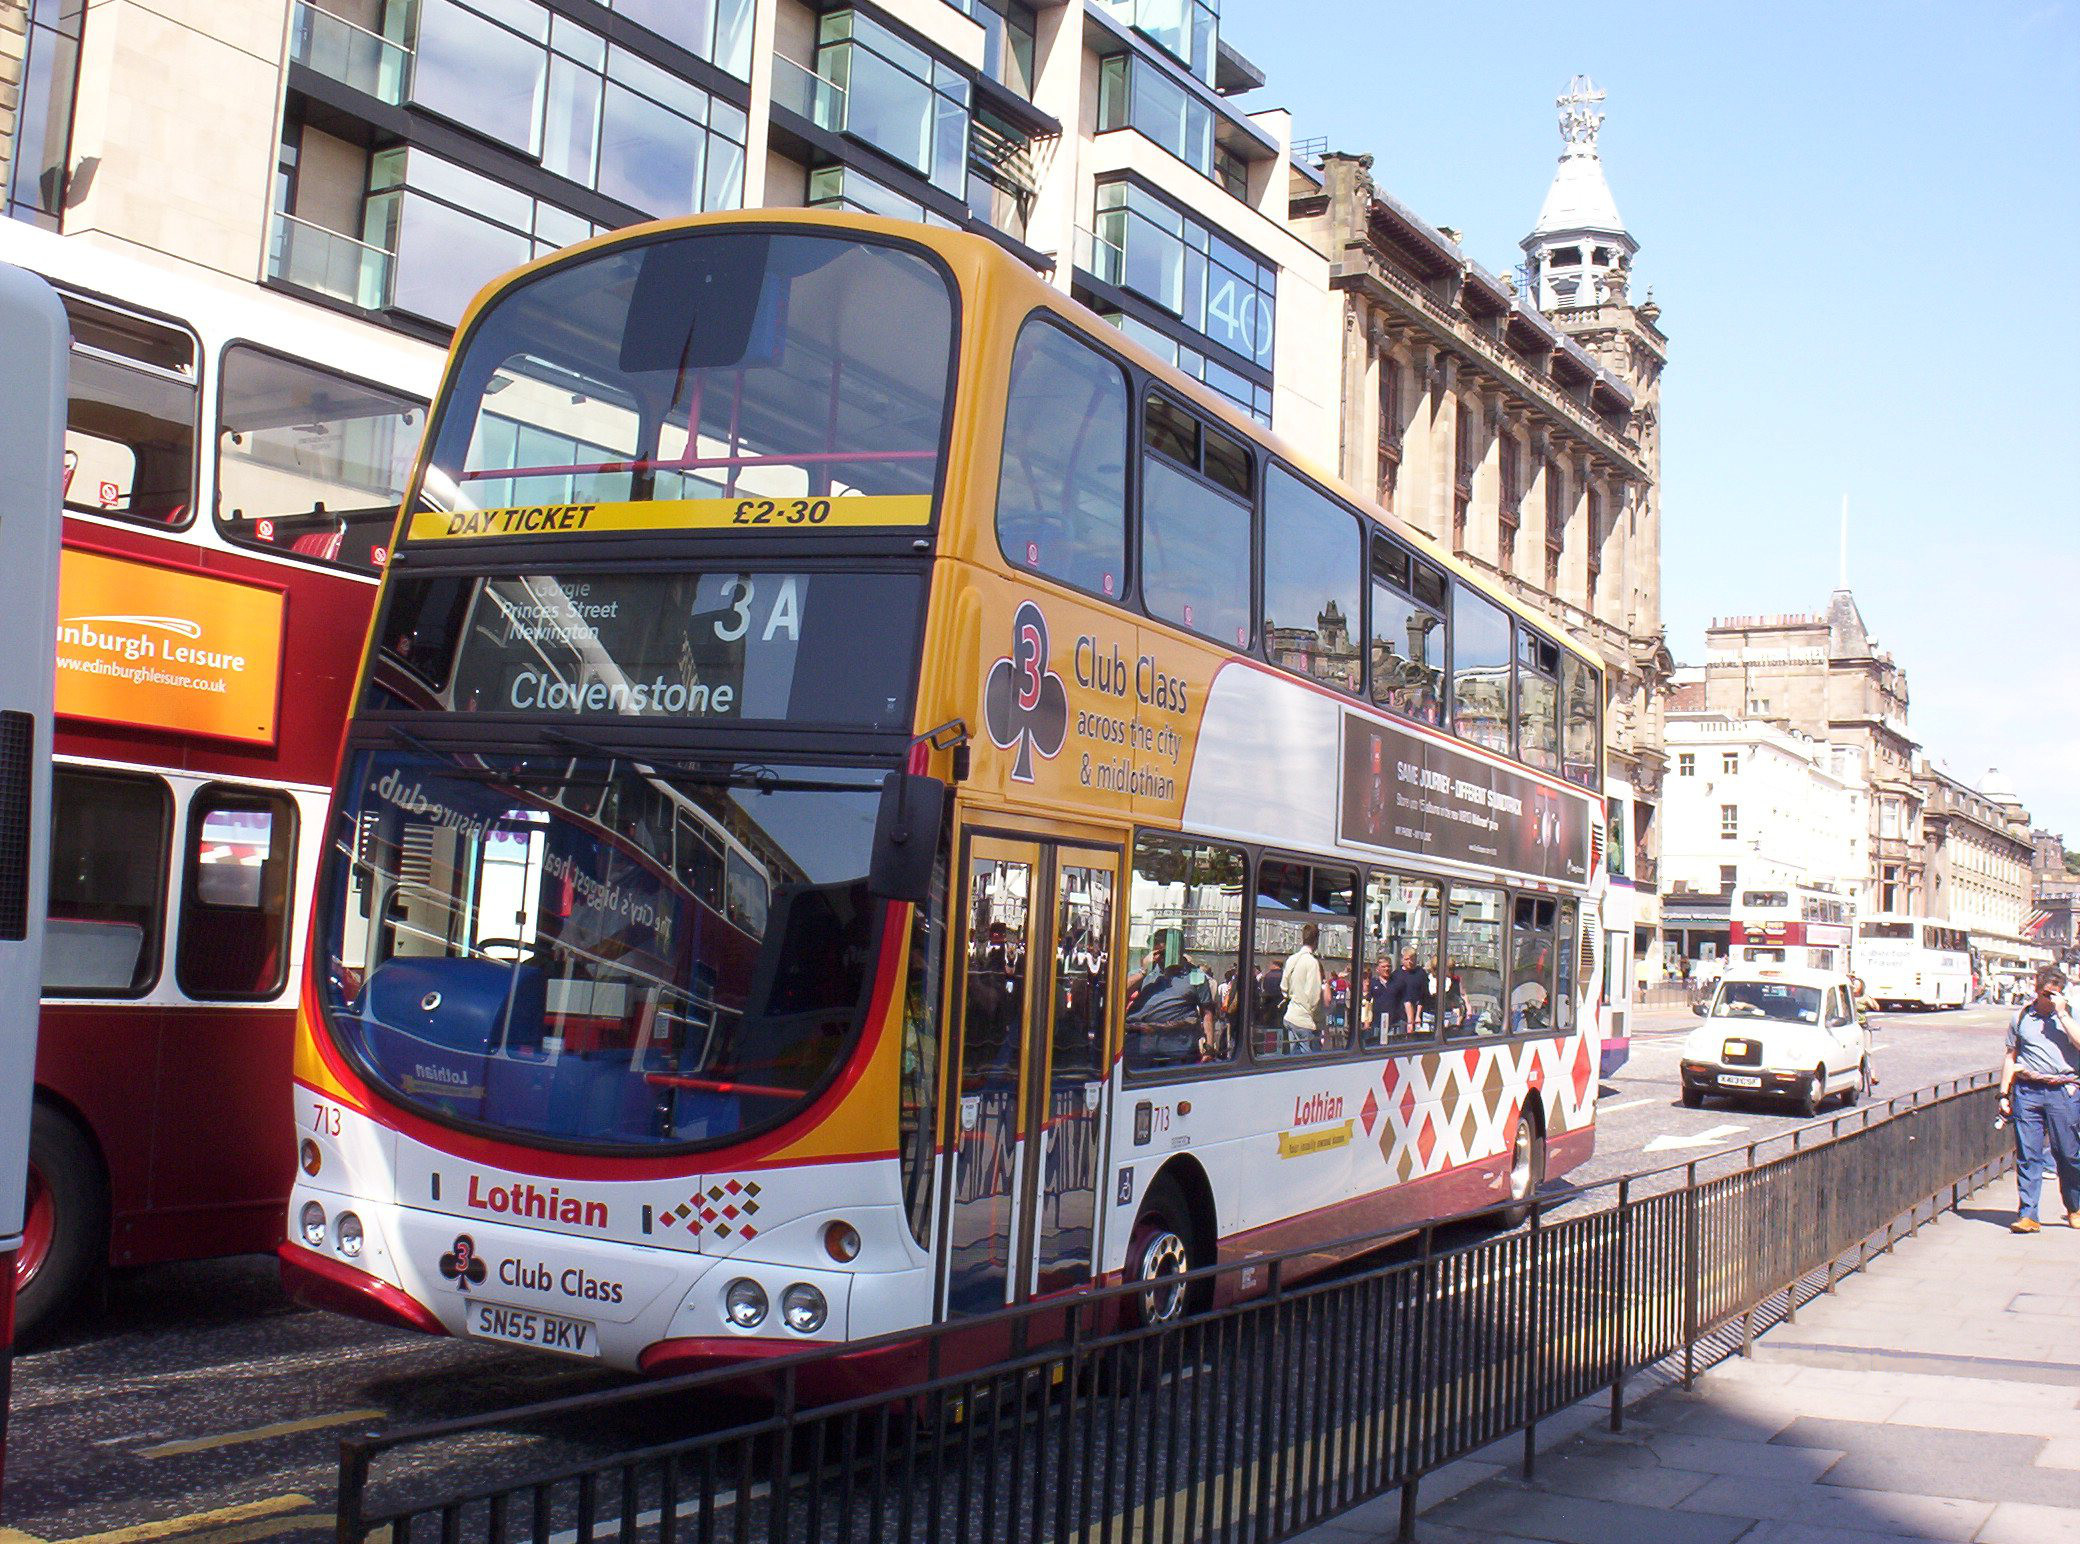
(1862, 223)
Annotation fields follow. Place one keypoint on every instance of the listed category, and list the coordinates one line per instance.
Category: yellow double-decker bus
(871, 799)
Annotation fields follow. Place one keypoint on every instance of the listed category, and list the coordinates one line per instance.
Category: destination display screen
(1405, 793)
(718, 644)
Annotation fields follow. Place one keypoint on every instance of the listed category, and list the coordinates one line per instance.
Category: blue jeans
(2047, 1131)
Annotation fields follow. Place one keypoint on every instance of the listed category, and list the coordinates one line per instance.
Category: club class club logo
(1025, 706)
(462, 1264)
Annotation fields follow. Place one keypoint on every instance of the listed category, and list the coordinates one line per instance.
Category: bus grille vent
(1595, 844)
(415, 859)
(1590, 964)
(17, 762)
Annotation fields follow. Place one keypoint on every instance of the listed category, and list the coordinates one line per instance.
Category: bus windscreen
(594, 951)
(664, 384)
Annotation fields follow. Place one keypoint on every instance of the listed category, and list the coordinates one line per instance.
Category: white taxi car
(1777, 1032)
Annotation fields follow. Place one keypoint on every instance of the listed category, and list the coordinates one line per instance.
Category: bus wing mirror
(907, 828)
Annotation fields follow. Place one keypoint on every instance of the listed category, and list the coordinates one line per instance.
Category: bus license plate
(526, 1327)
(1738, 1080)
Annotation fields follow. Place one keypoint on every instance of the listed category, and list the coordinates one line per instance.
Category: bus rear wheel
(65, 1224)
(1160, 1250)
(1527, 1171)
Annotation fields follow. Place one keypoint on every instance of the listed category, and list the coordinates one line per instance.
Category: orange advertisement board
(164, 649)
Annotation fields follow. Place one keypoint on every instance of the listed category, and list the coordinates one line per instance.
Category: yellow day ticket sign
(859, 510)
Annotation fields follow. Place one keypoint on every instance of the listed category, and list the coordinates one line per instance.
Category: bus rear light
(841, 1242)
(804, 1308)
(347, 1233)
(309, 1157)
(745, 1303)
(313, 1224)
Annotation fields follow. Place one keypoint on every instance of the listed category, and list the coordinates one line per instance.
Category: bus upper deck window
(1062, 483)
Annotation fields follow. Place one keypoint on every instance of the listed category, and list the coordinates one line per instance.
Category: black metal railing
(1249, 1421)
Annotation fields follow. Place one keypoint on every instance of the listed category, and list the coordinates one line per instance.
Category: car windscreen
(594, 950)
(1767, 1000)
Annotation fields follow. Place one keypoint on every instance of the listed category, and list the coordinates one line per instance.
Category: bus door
(1027, 1071)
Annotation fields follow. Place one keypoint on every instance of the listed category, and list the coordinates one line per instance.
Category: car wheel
(1693, 1098)
(1815, 1094)
(1527, 1171)
(65, 1224)
(1162, 1247)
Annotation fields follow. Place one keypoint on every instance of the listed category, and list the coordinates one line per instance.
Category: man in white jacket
(1303, 988)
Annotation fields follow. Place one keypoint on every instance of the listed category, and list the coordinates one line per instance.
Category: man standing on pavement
(2040, 1093)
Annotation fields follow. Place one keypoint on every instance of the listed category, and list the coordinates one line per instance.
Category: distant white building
(1750, 805)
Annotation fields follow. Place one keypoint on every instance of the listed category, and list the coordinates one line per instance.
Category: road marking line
(171, 1526)
(258, 1433)
(265, 1528)
(16, 1536)
(1629, 1104)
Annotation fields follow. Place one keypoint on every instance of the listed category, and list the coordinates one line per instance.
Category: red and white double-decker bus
(232, 466)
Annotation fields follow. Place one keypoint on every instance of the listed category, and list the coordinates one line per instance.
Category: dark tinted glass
(816, 648)
(1195, 558)
(1480, 670)
(107, 908)
(1312, 565)
(1062, 484)
(241, 871)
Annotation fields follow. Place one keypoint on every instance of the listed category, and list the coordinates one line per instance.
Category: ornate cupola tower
(1579, 253)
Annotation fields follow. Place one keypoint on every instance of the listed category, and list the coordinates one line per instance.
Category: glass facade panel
(476, 71)
(444, 256)
(1062, 488)
(897, 98)
(1165, 256)
(1312, 563)
(1187, 30)
(650, 157)
(1480, 670)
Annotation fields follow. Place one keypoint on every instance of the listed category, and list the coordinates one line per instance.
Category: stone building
(1517, 419)
(1976, 854)
(385, 158)
(1823, 676)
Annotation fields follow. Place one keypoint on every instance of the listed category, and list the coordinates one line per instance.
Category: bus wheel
(1527, 1171)
(1159, 1251)
(66, 1223)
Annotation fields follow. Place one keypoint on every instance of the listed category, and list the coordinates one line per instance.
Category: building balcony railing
(1101, 259)
(316, 258)
(352, 55)
(808, 95)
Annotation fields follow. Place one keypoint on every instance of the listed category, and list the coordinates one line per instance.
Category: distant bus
(1805, 926)
(1914, 962)
(232, 466)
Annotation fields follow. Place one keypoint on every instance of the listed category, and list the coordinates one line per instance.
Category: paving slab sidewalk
(1934, 1396)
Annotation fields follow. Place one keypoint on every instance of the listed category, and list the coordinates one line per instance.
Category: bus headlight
(314, 1224)
(804, 1309)
(745, 1303)
(347, 1234)
(841, 1242)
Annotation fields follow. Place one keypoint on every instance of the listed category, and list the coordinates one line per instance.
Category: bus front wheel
(1159, 1251)
(65, 1223)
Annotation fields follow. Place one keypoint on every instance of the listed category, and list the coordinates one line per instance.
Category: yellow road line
(258, 1433)
(265, 1528)
(192, 1523)
(16, 1536)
